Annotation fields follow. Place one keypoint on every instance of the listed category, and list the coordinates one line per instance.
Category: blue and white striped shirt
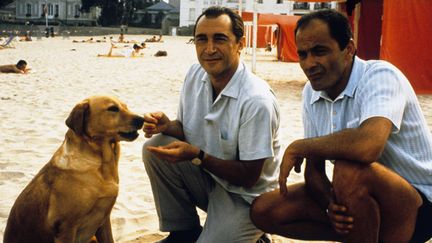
(377, 89)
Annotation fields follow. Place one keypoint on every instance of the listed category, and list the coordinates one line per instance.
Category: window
(77, 11)
(192, 14)
(50, 10)
(56, 10)
(29, 9)
(44, 10)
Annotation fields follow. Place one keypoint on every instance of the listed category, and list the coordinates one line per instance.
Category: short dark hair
(136, 46)
(21, 63)
(337, 23)
(216, 11)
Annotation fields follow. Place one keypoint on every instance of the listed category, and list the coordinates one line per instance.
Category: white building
(65, 11)
(191, 9)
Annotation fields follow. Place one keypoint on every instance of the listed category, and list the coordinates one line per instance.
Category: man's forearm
(317, 182)
(239, 173)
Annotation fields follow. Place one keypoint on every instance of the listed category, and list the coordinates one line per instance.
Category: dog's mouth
(129, 136)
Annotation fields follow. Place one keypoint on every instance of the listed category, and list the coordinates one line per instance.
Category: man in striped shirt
(364, 117)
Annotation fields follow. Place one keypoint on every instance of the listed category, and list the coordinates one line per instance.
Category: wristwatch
(198, 160)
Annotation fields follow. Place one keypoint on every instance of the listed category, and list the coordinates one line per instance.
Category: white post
(46, 15)
(240, 8)
(254, 35)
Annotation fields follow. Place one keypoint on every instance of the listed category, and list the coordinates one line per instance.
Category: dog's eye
(113, 108)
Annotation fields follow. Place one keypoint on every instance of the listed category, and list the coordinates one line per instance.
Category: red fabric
(369, 29)
(286, 48)
(406, 35)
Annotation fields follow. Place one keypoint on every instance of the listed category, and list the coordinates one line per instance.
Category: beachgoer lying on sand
(20, 67)
(90, 40)
(155, 39)
(134, 52)
(103, 40)
(191, 41)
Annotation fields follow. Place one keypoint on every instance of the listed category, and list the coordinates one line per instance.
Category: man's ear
(78, 118)
(241, 43)
(351, 48)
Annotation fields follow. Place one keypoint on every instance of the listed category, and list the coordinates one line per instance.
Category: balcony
(318, 6)
(301, 6)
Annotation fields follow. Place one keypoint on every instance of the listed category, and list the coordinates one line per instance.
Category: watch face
(196, 161)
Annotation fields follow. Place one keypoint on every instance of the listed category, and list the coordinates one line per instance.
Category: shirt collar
(232, 89)
(349, 91)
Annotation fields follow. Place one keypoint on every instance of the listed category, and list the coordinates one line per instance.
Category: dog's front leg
(66, 236)
(104, 233)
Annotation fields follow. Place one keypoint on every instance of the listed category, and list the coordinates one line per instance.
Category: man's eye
(200, 40)
(319, 52)
(220, 39)
(113, 108)
(302, 55)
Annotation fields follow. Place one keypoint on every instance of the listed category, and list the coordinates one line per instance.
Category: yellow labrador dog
(71, 198)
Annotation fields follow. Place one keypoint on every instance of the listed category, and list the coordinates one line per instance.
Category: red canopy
(286, 48)
(406, 35)
(398, 31)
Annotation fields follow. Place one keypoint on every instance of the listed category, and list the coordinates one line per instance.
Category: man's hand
(154, 123)
(175, 151)
(342, 223)
(289, 161)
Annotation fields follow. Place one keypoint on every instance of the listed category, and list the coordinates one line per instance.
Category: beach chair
(8, 42)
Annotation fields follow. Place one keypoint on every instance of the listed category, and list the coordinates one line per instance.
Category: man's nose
(309, 62)
(210, 47)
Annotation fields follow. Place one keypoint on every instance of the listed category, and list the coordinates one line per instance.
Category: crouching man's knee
(351, 180)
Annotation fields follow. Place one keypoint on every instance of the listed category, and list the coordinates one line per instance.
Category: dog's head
(104, 117)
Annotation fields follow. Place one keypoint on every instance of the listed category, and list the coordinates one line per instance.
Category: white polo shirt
(241, 124)
(377, 89)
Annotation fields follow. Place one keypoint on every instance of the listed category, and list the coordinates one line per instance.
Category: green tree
(112, 10)
(4, 3)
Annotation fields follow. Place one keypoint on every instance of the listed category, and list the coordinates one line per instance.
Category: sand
(33, 109)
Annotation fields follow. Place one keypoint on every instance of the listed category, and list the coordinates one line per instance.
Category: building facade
(191, 9)
(55, 11)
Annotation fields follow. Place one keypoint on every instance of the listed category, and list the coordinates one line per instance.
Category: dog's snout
(138, 122)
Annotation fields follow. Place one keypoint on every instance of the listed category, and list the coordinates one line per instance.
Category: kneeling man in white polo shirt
(223, 149)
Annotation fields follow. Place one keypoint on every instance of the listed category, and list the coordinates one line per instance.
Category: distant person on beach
(191, 41)
(20, 67)
(134, 52)
(89, 40)
(364, 117)
(26, 37)
(121, 38)
(223, 148)
(154, 39)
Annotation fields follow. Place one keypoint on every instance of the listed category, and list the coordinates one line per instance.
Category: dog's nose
(138, 122)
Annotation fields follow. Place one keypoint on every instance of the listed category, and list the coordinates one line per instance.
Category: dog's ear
(77, 118)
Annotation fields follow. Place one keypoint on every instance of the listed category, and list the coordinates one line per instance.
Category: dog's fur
(71, 198)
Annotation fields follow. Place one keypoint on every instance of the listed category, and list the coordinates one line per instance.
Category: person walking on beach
(365, 117)
(223, 148)
(20, 67)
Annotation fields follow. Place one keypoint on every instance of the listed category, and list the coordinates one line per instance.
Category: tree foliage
(3, 3)
(116, 12)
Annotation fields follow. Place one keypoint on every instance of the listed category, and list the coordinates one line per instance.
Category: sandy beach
(34, 107)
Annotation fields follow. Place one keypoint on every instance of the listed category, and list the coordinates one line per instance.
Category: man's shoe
(265, 238)
(182, 236)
